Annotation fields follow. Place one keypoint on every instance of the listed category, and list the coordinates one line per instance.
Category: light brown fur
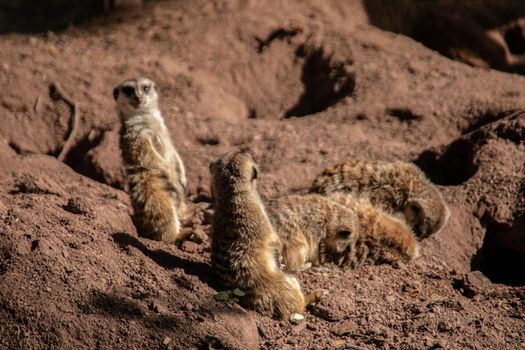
(382, 239)
(393, 186)
(312, 230)
(154, 169)
(245, 247)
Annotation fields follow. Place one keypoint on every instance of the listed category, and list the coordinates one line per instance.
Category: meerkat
(245, 246)
(383, 238)
(340, 229)
(155, 172)
(312, 230)
(396, 187)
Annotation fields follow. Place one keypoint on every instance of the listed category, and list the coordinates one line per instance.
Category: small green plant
(230, 295)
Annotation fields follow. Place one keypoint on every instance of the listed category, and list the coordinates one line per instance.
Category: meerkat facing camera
(155, 172)
(245, 247)
(312, 230)
(396, 187)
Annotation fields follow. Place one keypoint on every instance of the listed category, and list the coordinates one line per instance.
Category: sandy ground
(303, 85)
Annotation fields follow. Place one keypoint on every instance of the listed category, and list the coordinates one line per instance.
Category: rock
(298, 328)
(344, 328)
(472, 284)
(166, 341)
(80, 206)
(335, 307)
(296, 318)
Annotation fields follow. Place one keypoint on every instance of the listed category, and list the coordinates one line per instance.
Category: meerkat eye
(146, 88)
(344, 234)
(128, 90)
(416, 209)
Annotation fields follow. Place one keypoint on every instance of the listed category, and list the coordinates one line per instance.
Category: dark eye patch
(344, 234)
(128, 90)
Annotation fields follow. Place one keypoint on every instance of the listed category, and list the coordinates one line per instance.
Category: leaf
(223, 295)
(238, 293)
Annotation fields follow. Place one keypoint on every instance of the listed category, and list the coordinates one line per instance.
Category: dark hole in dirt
(115, 305)
(210, 343)
(78, 160)
(5, 260)
(515, 39)
(496, 259)
(325, 83)
(209, 140)
(403, 114)
(278, 34)
(16, 147)
(453, 167)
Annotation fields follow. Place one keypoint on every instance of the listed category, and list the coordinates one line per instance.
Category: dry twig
(56, 93)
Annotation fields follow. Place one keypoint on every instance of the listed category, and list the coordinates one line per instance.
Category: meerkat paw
(315, 296)
(305, 267)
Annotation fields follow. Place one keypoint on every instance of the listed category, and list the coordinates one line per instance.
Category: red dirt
(303, 85)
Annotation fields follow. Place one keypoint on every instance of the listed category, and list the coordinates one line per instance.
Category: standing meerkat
(155, 172)
(339, 229)
(396, 187)
(312, 230)
(245, 247)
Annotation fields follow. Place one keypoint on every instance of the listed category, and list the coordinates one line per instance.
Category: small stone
(166, 341)
(291, 341)
(344, 328)
(295, 318)
(190, 247)
(298, 328)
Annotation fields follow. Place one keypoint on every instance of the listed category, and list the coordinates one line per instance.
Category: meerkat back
(396, 187)
(156, 186)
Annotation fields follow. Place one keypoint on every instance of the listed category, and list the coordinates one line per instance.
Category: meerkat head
(340, 240)
(236, 170)
(426, 216)
(136, 96)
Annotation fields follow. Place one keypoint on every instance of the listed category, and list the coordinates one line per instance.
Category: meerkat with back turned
(396, 187)
(339, 229)
(155, 172)
(245, 246)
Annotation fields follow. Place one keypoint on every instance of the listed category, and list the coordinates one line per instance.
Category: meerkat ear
(255, 172)
(115, 93)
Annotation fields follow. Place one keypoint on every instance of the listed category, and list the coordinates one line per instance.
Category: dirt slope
(303, 85)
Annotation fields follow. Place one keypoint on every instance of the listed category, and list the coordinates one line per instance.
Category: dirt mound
(303, 85)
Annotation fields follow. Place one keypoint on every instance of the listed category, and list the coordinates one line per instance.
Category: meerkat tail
(152, 197)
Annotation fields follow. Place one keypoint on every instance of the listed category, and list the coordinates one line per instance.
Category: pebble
(295, 318)
(166, 341)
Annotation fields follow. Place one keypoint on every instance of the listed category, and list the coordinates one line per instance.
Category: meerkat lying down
(396, 187)
(245, 247)
(155, 172)
(339, 229)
